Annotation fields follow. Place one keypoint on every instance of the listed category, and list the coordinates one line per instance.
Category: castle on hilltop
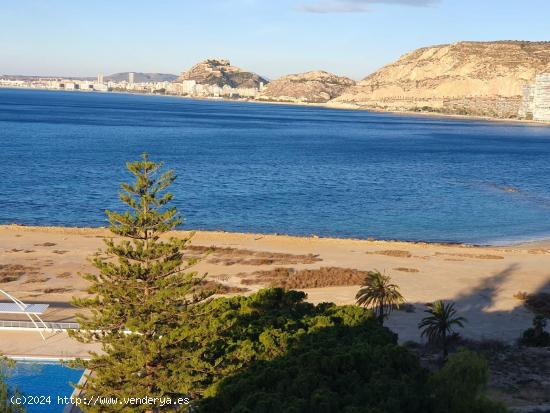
(536, 99)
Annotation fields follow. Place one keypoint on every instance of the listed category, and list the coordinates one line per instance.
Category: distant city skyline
(347, 37)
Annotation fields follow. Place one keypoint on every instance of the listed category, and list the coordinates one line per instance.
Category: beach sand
(44, 264)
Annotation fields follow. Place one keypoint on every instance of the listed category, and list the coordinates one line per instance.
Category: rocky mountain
(220, 72)
(142, 77)
(470, 78)
(309, 87)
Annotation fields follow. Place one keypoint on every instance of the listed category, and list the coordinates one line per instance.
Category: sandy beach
(44, 264)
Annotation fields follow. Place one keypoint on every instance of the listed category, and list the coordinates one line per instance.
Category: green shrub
(336, 369)
(5, 393)
(273, 352)
(227, 335)
(536, 336)
(459, 386)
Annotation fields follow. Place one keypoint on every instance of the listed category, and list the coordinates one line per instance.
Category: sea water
(276, 168)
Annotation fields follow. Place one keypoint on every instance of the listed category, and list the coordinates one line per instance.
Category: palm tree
(377, 291)
(438, 325)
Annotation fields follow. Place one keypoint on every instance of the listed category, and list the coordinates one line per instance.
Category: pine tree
(139, 296)
(6, 405)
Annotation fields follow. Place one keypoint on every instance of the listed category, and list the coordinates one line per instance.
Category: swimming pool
(38, 380)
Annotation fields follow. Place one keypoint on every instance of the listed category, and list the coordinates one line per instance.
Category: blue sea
(275, 168)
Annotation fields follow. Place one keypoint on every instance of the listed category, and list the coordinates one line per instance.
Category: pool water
(39, 380)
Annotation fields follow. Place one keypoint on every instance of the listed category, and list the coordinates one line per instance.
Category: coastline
(520, 241)
(536, 241)
(327, 105)
(483, 280)
(440, 115)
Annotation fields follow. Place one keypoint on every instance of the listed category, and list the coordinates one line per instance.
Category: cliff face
(309, 87)
(220, 72)
(471, 78)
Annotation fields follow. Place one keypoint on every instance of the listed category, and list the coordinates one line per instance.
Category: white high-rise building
(131, 78)
(541, 98)
(188, 87)
(526, 108)
(100, 78)
(536, 99)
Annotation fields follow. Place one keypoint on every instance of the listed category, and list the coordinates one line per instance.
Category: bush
(539, 303)
(274, 352)
(460, 385)
(335, 369)
(536, 336)
(226, 335)
(5, 393)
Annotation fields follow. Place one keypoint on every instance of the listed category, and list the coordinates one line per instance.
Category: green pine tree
(139, 296)
(6, 405)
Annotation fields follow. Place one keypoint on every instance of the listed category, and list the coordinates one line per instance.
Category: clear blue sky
(270, 37)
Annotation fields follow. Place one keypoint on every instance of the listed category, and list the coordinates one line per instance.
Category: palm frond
(378, 292)
(440, 321)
